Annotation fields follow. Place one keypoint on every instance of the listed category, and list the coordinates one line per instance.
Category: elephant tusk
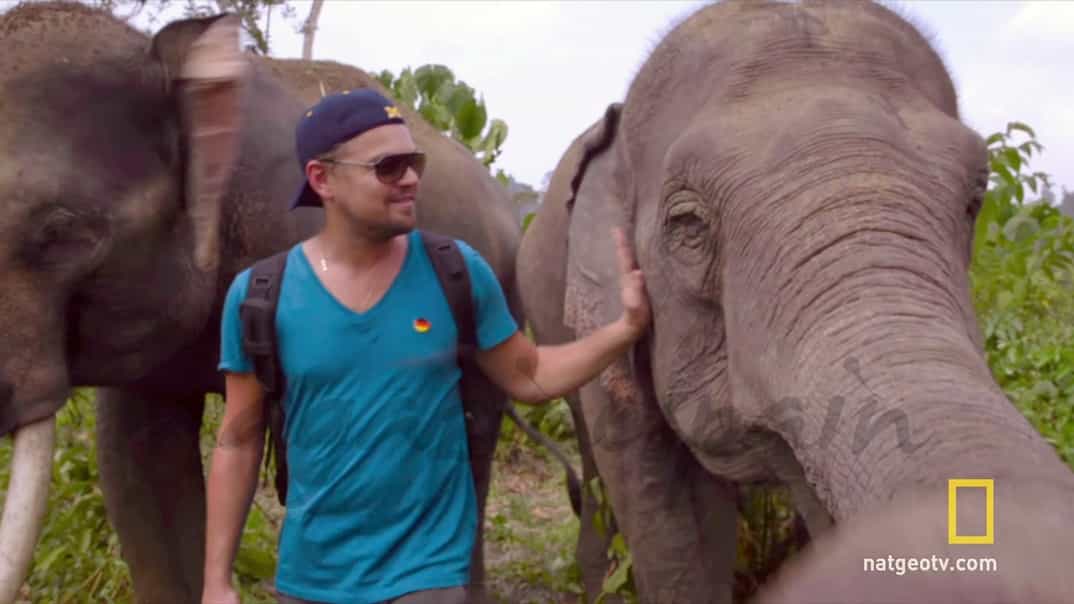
(26, 504)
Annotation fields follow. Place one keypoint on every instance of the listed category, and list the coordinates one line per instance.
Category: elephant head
(106, 164)
(801, 194)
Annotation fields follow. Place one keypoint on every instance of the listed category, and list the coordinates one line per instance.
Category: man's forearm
(565, 367)
(232, 482)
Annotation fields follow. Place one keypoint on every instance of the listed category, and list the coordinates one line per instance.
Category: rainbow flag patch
(421, 325)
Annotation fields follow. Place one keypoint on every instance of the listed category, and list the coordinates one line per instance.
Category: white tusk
(26, 504)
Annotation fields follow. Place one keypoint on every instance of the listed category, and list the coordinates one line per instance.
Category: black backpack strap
(258, 315)
(455, 280)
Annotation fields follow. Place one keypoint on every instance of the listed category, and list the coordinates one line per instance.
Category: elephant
(800, 194)
(139, 174)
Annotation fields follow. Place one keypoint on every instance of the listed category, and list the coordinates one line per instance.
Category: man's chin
(401, 226)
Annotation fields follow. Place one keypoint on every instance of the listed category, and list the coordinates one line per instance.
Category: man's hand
(636, 311)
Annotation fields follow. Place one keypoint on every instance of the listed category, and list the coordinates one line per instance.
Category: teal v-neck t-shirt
(381, 500)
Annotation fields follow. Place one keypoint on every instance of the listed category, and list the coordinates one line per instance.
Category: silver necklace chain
(369, 290)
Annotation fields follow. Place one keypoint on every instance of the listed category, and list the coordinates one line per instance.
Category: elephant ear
(205, 72)
(592, 289)
(594, 142)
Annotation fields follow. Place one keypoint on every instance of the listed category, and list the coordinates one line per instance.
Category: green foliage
(1023, 280)
(769, 532)
(619, 578)
(451, 106)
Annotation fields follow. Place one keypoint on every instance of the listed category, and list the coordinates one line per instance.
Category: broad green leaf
(496, 135)
(445, 93)
(430, 78)
(999, 168)
(995, 138)
(1020, 126)
(993, 231)
(1020, 228)
(459, 95)
(470, 119)
(437, 115)
(618, 579)
(254, 562)
(1014, 160)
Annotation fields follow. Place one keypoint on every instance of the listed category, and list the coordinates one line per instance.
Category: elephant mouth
(26, 503)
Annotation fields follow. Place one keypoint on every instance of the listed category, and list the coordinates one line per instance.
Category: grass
(530, 529)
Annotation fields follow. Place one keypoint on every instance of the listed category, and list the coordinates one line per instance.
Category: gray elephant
(801, 194)
(138, 176)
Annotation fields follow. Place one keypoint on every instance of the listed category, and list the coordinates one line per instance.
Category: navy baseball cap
(337, 118)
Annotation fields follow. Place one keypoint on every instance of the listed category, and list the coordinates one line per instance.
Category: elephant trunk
(26, 504)
(892, 401)
(871, 352)
(869, 360)
(905, 403)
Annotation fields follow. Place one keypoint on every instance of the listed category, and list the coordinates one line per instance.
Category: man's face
(355, 193)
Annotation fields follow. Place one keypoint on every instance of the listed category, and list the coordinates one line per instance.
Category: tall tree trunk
(310, 28)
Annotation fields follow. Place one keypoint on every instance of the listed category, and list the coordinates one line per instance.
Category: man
(381, 503)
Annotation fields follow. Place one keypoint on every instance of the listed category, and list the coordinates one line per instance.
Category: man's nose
(410, 177)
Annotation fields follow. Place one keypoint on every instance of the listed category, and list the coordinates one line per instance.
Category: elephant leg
(591, 549)
(679, 521)
(154, 492)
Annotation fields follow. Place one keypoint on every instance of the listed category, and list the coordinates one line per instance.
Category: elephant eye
(689, 241)
(64, 237)
(686, 222)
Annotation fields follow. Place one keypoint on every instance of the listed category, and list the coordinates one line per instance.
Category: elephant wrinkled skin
(801, 197)
(138, 176)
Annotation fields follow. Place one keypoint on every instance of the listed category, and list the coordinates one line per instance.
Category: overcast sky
(549, 69)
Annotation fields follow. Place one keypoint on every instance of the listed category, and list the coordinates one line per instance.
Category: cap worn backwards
(337, 118)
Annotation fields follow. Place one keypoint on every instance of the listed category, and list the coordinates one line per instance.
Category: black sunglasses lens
(392, 168)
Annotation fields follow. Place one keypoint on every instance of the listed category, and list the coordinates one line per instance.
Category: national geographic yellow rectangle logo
(953, 485)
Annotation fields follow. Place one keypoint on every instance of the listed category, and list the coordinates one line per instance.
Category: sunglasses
(389, 169)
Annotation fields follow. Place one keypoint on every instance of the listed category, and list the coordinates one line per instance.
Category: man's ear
(317, 176)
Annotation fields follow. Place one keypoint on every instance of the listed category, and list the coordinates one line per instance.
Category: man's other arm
(233, 476)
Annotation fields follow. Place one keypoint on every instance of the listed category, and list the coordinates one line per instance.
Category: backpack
(258, 316)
